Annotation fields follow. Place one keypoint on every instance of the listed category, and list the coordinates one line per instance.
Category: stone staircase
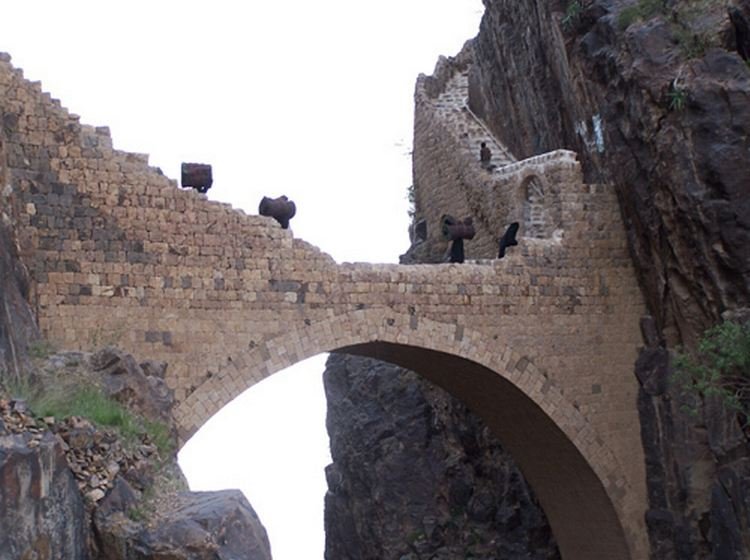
(452, 105)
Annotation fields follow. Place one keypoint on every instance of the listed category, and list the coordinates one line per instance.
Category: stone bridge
(541, 344)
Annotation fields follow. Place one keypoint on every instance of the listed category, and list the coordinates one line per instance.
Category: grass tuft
(91, 403)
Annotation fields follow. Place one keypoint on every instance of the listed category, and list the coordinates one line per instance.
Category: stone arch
(540, 207)
(573, 473)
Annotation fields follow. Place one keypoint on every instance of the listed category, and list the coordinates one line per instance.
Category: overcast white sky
(309, 99)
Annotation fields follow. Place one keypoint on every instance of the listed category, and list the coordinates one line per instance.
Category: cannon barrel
(281, 209)
(197, 176)
(453, 228)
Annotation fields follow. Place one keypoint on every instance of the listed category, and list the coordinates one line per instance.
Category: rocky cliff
(17, 325)
(106, 487)
(653, 96)
(417, 475)
(75, 491)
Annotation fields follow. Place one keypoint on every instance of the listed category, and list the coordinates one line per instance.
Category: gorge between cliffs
(635, 111)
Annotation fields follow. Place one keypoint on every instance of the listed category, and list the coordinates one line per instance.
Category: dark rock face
(41, 510)
(201, 526)
(698, 475)
(660, 109)
(205, 526)
(657, 105)
(17, 325)
(416, 475)
(127, 382)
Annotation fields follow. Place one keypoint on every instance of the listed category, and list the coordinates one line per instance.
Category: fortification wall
(107, 237)
(118, 253)
(448, 177)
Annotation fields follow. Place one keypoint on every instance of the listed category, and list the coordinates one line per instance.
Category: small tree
(720, 367)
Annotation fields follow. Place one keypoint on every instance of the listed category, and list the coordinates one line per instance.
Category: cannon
(453, 228)
(456, 231)
(280, 209)
(197, 176)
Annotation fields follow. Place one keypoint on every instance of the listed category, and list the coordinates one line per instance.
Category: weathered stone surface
(124, 380)
(658, 107)
(652, 370)
(17, 325)
(114, 530)
(416, 475)
(681, 168)
(41, 512)
(698, 476)
(206, 526)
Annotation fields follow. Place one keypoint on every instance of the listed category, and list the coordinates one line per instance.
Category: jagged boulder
(125, 380)
(41, 510)
(205, 526)
(186, 526)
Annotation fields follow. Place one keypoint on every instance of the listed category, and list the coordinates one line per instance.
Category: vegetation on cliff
(719, 368)
(54, 398)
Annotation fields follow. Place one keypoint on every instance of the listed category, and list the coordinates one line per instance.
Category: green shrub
(677, 97)
(41, 349)
(88, 402)
(91, 403)
(720, 366)
(411, 196)
(572, 13)
(692, 45)
(627, 16)
(161, 436)
(136, 514)
(643, 10)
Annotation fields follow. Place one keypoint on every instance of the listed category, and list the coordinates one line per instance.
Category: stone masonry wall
(449, 179)
(118, 253)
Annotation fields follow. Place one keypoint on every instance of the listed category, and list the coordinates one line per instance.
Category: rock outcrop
(41, 509)
(416, 475)
(211, 525)
(73, 490)
(141, 387)
(17, 325)
(655, 98)
(199, 526)
(697, 469)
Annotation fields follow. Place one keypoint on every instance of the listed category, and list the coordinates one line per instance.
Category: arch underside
(583, 497)
(583, 518)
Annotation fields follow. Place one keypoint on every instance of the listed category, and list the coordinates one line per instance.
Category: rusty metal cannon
(456, 230)
(453, 228)
(280, 209)
(197, 176)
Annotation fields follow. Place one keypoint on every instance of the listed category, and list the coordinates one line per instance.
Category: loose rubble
(95, 456)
